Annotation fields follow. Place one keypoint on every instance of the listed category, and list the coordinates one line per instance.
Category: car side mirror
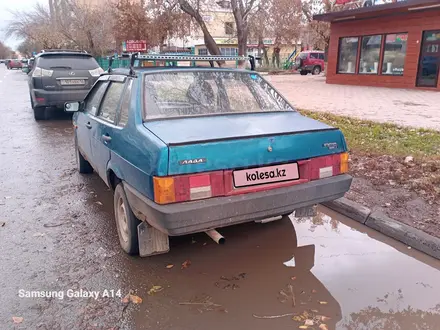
(72, 106)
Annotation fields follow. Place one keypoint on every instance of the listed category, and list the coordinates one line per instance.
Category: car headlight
(96, 72)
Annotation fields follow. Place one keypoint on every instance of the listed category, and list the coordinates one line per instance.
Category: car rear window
(192, 93)
(71, 62)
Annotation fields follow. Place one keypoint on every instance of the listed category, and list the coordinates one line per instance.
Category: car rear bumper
(45, 98)
(191, 217)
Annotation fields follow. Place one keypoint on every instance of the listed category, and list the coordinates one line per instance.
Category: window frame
(105, 83)
(128, 89)
(357, 55)
(98, 115)
(383, 54)
(358, 60)
(231, 26)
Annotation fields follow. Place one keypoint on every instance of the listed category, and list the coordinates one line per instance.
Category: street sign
(134, 46)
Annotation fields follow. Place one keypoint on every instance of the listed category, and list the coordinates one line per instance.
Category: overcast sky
(5, 7)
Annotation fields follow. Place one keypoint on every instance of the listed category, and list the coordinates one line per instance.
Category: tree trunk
(210, 43)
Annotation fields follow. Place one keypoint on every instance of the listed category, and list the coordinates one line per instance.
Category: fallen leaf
(323, 326)
(155, 289)
(38, 235)
(297, 318)
(325, 318)
(8, 197)
(323, 302)
(17, 319)
(169, 266)
(204, 244)
(314, 310)
(293, 278)
(98, 202)
(135, 299)
(309, 322)
(303, 327)
(314, 291)
(126, 299)
(2, 224)
(186, 264)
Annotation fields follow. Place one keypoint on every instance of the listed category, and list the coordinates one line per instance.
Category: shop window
(348, 50)
(370, 54)
(394, 54)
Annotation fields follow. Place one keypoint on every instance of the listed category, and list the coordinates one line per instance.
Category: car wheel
(316, 70)
(126, 222)
(82, 164)
(39, 112)
(303, 73)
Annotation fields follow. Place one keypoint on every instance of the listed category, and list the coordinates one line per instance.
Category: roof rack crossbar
(63, 50)
(207, 58)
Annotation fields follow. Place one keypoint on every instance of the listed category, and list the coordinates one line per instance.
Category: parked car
(310, 62)
(2, 61)
(60, 76)
(14, 64)
(188, 150)
(25, 65)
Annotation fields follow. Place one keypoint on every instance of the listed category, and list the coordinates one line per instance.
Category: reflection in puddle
(337, 271)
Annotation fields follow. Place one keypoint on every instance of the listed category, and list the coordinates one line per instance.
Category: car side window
(110, 103)
(125, 105)
(321, 56)
(94, 98)
(314, 56)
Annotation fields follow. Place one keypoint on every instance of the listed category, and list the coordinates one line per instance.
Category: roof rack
(63, 50)
(194, 58)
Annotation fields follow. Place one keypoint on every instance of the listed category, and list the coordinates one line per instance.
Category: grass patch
(382, 139)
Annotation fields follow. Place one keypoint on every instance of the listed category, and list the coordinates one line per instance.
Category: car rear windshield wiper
(61, 67)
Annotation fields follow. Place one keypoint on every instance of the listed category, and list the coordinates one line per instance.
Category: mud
(59, 234)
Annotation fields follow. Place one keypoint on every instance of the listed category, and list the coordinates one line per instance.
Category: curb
(380, 222)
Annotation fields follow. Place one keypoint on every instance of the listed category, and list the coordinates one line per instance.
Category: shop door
(429, 62)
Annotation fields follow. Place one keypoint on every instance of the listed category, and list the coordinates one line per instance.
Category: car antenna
(133, 58)
(110, 63)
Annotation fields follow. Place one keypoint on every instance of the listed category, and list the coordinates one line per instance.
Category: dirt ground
(406, 191)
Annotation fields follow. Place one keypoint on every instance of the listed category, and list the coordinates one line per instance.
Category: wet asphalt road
(59, 234)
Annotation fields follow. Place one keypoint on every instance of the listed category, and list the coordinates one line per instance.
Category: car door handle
(88, 125)
(106, 138)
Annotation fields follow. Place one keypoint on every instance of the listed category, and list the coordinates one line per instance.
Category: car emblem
(269, 148)
(71, 73)
(192, 161)
(330, 145)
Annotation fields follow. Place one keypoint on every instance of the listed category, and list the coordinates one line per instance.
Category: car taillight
(39, 72)
(183, 188)
(326, 166)
(96, 72)
(344, 162)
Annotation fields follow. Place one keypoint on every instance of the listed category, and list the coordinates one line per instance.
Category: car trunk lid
(239, 141)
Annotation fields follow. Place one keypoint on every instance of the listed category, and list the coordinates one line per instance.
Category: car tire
(126, 222)
(316, 70)
(303, 73)
(39, 112)
(82, 164)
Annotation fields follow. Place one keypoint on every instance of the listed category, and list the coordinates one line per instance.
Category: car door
(314, 59)
(85, 120)
(106, 126)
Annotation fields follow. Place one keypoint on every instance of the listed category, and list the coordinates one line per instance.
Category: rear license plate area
(265, 175)
(67, 82)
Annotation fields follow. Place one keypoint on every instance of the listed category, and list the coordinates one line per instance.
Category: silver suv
(60, 76)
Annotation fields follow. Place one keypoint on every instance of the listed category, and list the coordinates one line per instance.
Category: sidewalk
(417, 108)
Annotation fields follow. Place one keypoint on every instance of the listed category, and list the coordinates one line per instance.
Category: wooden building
(391, 45)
